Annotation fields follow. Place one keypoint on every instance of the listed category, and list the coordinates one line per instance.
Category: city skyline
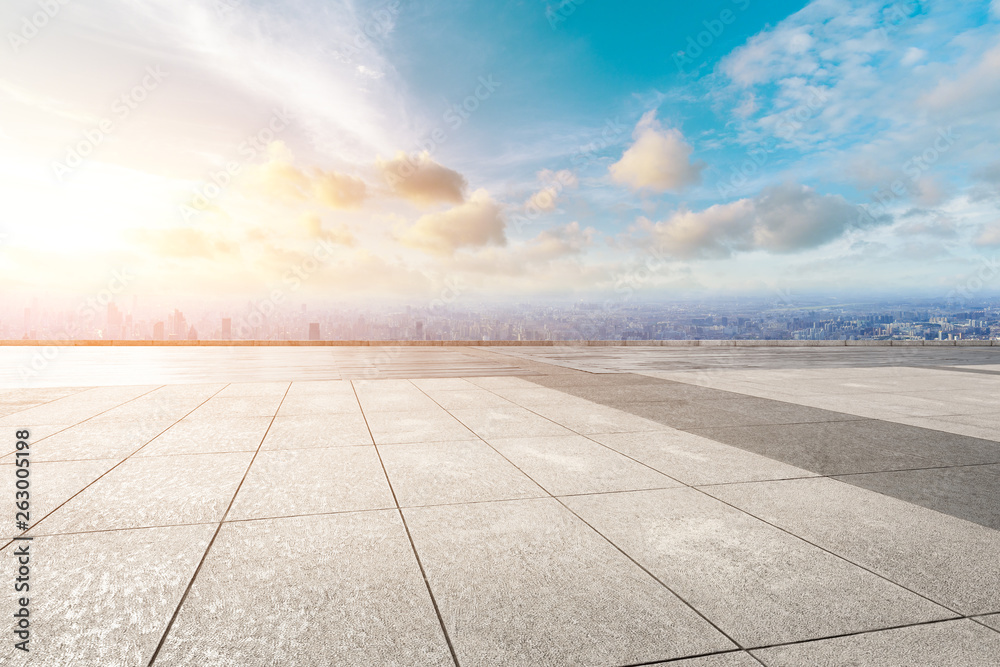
(342, 151)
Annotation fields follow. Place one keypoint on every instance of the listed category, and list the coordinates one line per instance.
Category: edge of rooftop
(500, 343)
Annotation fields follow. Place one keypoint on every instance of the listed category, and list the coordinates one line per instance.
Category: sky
(358, 151)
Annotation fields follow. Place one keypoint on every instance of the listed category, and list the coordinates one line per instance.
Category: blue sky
(528, 148)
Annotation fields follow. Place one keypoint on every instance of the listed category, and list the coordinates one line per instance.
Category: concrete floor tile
(237, 407)
(443, 384)
(391, 399)
(735, 659)
(209, 436)
(501, 382)
(971, 492)
(8, 436)
(538, 396)
(527, 583)
(453, 472)
(312, 481)
(758, 584)
(91, 440)
(435, 425)
(826, 448)
(468, 399)
(695, 460)
(992, 620)
(320, 591)
(319, 404)
(958, 643)
(333, 430)
(76, 407)
(261, 389)
(103, 599)
(51, 484)
(514, 422)
(944, 558)
(320, 388)
(153, 491)
(573, 464)
(589, 419)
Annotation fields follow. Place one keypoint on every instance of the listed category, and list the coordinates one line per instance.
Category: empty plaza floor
(550, 506)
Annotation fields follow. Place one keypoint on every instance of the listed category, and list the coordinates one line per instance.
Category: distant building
(158, 331)
(314, 331)
(420, 329)
(227, 328)
(192, 333)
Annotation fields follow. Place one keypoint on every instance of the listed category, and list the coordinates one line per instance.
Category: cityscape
(734, 319)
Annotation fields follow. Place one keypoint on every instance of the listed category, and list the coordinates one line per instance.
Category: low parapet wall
(505, 343)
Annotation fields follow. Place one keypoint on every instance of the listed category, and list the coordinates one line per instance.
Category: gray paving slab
(527, 583)
(944, 558)
(312, 481)
(51, 484)
(758, 584)
(468, 399)
(319, 403)
(967, 492)
(391, 396)
(76, 407)
(573, 464)
(992, 620)
(90, 440)
(959, 643)
(593, 418)
(453, 472)
(734, 659)
(434, 425)
(237, 406)
(826, 448)
(513, 422)
(263, 389)
(695, 460)
(105, 598)
(328, 430)
(153, 491)
(688, 414)
(340, 589)
(209, 436)
(8, 437)
(443, 384)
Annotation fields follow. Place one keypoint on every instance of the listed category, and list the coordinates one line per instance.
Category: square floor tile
(411, 427)
(574, 464)
(958, 643)
(969, 492)
(104, 598)
(526, 583)
(340, 589)
(312, 481)
(758, 584)
(153, 491)
(506, 422)
(592, 418)
(695, 460)
(946, 559)
(301, 431)
(209, 436)
(453, 472)
(237, 407)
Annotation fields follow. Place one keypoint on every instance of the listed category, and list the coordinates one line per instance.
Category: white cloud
(782, 219)
(477, 222)
(659, 159)
(422, 180)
